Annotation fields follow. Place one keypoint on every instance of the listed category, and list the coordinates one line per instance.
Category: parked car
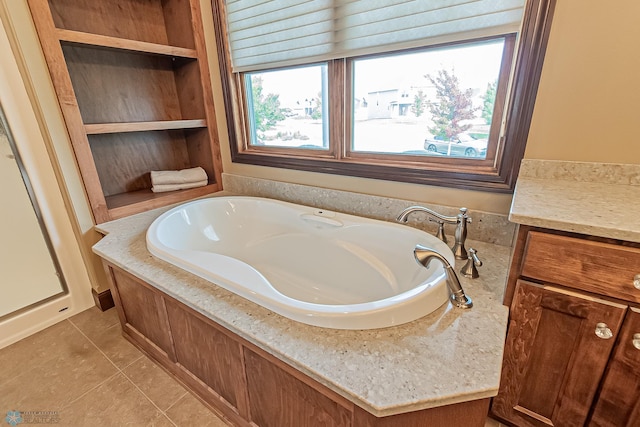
(463, 145)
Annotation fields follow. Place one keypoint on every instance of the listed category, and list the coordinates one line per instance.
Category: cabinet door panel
(553, 360)
(278, 399)
(619, 401)
(143, 310)
(216, 359)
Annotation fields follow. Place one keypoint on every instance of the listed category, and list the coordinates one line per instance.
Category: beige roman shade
(267, 34)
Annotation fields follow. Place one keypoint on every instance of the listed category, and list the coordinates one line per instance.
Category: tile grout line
(131, 363)
(177, 400)
(105, 354)
(118, 370)
(90, 390)
(98, 348)
(149, 399)
(121, 371)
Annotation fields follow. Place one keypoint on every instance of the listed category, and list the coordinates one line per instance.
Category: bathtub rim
(362, 316)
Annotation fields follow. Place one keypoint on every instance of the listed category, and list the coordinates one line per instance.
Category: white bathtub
(310, 265)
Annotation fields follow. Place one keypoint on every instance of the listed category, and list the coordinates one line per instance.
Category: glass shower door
(29, 271)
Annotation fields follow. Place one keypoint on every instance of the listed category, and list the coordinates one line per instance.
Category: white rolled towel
(162, 181)
(174, 187)
(184, 176)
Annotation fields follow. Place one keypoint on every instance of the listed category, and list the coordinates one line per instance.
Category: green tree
(419, 103)
(489, 101)
(266, 108)
(316, 114)
(453, 105)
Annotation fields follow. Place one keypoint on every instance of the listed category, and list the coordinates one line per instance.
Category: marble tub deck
(447, 357)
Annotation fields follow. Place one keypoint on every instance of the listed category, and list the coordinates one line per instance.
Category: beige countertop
(599, 199)
(447, 357)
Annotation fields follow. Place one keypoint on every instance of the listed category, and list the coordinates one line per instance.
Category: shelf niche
(124, 160)
(121, 86)
(165, 22)
(133, 84)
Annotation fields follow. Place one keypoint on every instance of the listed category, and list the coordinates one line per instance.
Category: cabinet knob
(636, 341)
(603, 331)
(636, 281)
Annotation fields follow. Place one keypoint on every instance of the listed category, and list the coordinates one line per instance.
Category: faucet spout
(461, 220)
(425, 255)
(411, 209)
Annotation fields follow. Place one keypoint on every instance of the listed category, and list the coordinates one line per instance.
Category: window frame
(497, 173)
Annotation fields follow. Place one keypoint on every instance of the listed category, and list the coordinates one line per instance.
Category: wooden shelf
(133, 84)
(125, 204)
(123, 44)
(101, 128)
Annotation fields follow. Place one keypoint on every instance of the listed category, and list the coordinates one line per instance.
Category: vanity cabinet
(570, 357)
(133, 85)
(619, 401)
(244, 383)
(553, 360)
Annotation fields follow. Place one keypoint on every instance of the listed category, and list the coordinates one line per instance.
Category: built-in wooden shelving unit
(133, 85)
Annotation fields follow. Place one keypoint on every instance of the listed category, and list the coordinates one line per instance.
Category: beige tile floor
(82, 372)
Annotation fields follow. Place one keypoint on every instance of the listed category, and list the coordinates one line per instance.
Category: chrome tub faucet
(461, 220)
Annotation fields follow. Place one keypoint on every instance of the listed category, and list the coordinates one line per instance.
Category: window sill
(481, 178)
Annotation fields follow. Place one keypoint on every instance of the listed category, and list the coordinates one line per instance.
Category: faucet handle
(469, 269)
(440, 233)
(462, 219)
(462, 216)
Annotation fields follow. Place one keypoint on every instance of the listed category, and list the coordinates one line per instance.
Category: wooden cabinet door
(209, 354)
(618, 404)
(142, 312)
(278, 399)
(553, 359)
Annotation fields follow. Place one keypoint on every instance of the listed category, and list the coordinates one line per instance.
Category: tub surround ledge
(486, 226)
(599, 199)
(447, 357)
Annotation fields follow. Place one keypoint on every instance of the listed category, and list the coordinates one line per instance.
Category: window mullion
(337, 107)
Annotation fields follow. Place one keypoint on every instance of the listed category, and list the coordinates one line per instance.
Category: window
(287, 108)
(437, 102)
(314, 86)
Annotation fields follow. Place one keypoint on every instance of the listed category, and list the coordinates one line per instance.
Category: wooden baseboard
(103, 300)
